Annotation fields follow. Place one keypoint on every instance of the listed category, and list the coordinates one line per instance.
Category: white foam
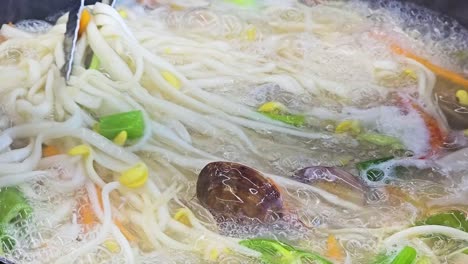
(389, 120)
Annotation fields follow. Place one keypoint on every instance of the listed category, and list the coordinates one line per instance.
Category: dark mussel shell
(5, 261)
(334, 180)
(235, 191)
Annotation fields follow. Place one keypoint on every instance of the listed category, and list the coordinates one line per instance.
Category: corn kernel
(80, 150)
(182, 216)
(214, 254)
(167, 50)
(462, 97)
(351, 126)
(251, 34)
(176, 7)
(410, 73)
(112, 246)
(121, 138)
(123, 13)
(272, 107)
(170, 78)
(135, 177)
(345, 160)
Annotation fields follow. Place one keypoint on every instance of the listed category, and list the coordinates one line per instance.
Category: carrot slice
(87, 217)
(334, 249)
(84, 21)
(444, 73)
(128, 235)
(50, 150)
(435, 133)
(439, 71)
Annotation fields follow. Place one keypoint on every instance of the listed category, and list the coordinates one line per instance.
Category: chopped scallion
(277, 252)
(132, 122)
(295, 120)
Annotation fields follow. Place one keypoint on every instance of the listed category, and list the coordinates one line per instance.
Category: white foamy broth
(330, 63)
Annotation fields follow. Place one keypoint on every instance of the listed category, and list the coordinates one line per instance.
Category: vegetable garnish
(273, 108)
(49, 150)
(435, 132)
(90, 217)
(95, 63)
(171, 79)
(132, 122)
(349, 126)
(121, 138)
(372, 174)
(444, 73)
(295, 120)
(86, 214)
(277, 252)
(135, 176)
(84, 21)
(381, 140)
(406, 256)
(279, 112)
(334, 249)
(13, 207)
(182, 216)
(80, 150)
(243, 3)
(462, 97)
(455, 219)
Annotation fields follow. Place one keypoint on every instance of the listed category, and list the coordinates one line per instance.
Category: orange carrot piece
(50, 150)
(84, 21)
(128, 235)
(86, 213)
(435, 133)
(449, 75)
(334, 249)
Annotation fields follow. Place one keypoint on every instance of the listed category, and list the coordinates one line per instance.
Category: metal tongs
(71, 35)
(50, 11)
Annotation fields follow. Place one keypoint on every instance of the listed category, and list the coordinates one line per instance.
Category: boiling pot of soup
(236, 131)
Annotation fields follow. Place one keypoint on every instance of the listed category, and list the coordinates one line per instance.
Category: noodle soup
(236, 132)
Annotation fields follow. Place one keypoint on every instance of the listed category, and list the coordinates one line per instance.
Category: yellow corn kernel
(79, 150)
(112, 246)
(135, 177)
(176, 7)
(121, 138)
(167, 50)
(272, 107)
(123, 13)
(410, 73)
(170, 78)
(351, 126)
(345, 160)
(214, 254)
(182, 216)
(251, 33)
(462, 97)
